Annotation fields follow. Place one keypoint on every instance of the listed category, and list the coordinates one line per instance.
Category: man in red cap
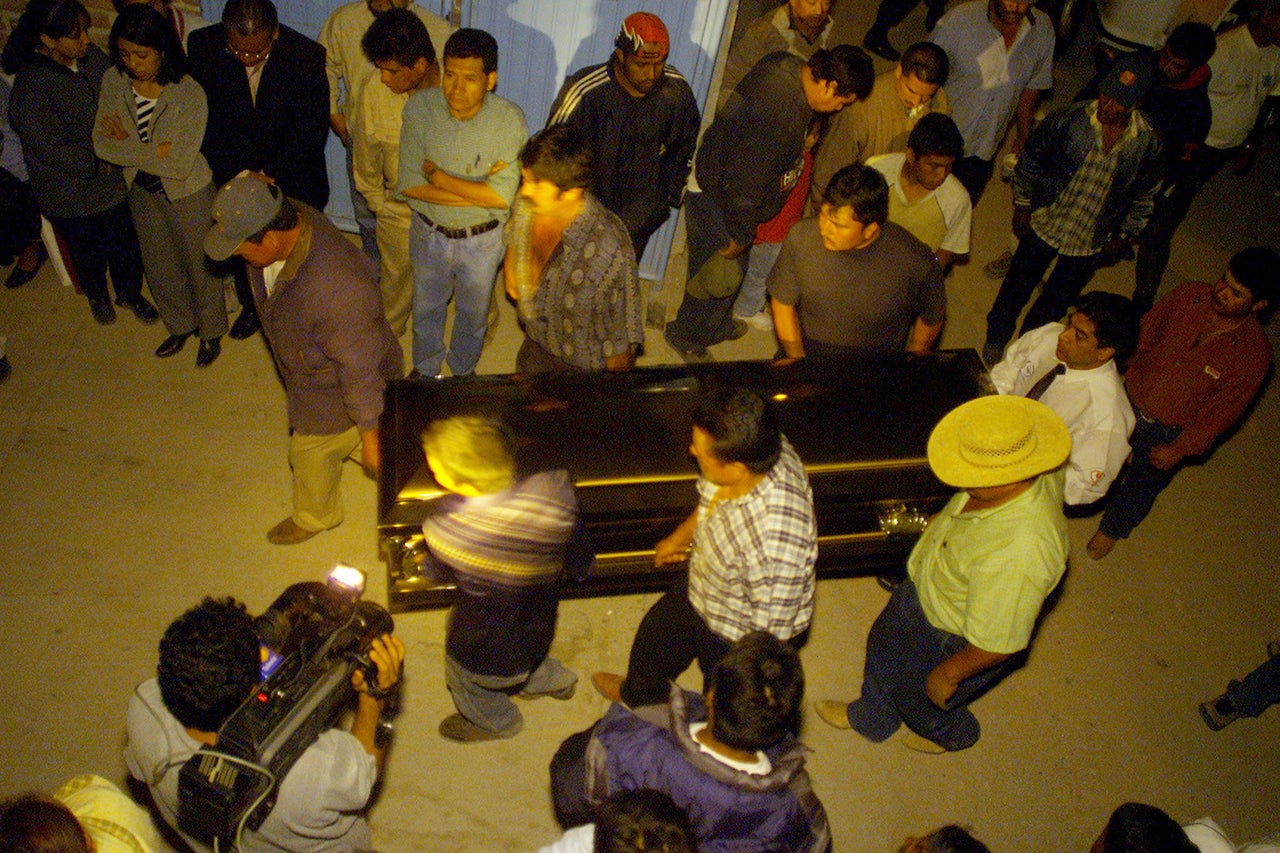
(642, 119)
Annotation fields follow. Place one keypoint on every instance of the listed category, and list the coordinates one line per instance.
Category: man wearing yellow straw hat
(976, 579)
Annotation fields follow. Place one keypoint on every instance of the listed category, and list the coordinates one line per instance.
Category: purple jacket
(730, 810)
(324, 322)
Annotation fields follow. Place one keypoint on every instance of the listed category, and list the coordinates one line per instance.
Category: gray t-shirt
(861, 298)
(319, 803)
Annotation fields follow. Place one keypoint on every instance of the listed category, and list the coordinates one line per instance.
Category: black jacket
(752, 153)
(643, 147)
(284, 133)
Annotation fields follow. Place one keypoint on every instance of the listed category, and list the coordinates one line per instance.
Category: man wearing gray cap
(1084, 189)
(321, 311)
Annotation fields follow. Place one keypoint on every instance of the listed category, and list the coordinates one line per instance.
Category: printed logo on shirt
(792, 176)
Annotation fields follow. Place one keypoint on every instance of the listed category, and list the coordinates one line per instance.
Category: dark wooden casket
(860, 426)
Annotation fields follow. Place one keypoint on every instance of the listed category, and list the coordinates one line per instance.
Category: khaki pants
(316, 461)
(395, 275)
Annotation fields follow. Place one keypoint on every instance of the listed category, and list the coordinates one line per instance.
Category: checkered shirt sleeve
(752, 564)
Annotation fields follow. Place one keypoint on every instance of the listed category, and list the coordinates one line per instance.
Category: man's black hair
(35, 823)
(398, 36)
(861, 187)
(1115, 321)
(936, 135)
(1258, 269)
(469, 43)
(848, 67)
(209, 663)
(286, 217)
(247, 17)
(143, 25)
(742, 425)
(643, 820)
(52, 18)
(560, 154)
(927, 62)
(1192, 41)
(953, 839)
(755, 692)
(1139, 828)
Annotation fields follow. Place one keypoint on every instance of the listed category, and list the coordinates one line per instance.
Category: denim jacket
(1059, 146)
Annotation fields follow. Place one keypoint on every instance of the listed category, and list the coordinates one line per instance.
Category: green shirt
(984, 575)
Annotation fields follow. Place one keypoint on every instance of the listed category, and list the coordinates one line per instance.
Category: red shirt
(1202, 388)
(775, 230)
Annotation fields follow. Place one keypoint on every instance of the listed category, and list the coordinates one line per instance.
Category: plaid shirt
(751, 567)
(1069, 223)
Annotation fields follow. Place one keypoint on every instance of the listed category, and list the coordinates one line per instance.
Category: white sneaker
(762, 321)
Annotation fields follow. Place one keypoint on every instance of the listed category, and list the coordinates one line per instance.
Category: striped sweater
(505, 551)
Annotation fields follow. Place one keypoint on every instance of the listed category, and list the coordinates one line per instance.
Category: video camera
(314, 636)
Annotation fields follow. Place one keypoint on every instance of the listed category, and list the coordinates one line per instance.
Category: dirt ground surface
(131, 486)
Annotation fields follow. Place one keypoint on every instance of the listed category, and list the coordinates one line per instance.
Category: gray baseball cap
(243, 207)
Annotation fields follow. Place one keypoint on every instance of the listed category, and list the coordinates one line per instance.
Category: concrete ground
(132, 486)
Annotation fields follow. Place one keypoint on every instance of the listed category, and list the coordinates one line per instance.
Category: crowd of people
(822, 201)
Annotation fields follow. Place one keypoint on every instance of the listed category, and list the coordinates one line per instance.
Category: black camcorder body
(314, 637)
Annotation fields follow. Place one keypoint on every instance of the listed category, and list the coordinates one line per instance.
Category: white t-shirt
(1243, 75)
(941, 219)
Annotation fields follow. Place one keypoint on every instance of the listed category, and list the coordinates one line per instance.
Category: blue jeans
(485, 700)
(462, 270)
(1033, 257)
(902, 649)
(1140, 483)
(751, 296)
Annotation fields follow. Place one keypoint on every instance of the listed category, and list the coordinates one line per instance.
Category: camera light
(347, 579)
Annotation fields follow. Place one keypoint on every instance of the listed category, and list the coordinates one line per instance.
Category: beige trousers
(316, 461)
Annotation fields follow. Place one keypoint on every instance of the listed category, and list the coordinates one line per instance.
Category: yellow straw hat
(997, 440)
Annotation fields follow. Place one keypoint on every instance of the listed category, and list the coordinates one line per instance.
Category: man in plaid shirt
(751, 546)
(1084, 188)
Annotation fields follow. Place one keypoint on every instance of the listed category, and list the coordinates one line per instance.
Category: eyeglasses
(252, 57)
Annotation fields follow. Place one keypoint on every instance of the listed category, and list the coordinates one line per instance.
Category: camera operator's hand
(387, 654)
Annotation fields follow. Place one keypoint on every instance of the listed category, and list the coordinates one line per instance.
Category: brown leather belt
(460, 233)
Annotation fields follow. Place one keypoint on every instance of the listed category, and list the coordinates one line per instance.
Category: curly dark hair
(1140, 828)
(742, 425)
(643, 820)
(209, 663)
(755, 692)
(35, 823)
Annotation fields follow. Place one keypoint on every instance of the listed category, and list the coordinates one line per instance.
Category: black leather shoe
(244, 326)
(172, 345)
(18, 277)
(209, 351)
(141, 308)
(878, 43)
(102, 311)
